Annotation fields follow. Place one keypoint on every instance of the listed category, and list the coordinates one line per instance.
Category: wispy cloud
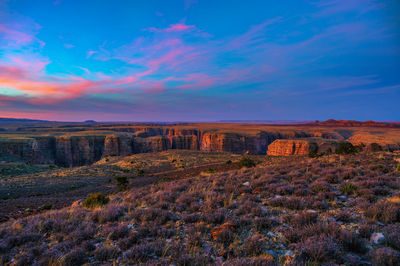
(179, 27)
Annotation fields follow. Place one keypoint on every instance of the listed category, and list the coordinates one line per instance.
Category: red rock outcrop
(286, 147)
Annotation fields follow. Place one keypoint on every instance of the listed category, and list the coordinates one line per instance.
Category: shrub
(366, 230)
(385, 257)
(320, 249)
(74, 257)
(343, 216)
(257, 261)
(383, 212)
(128, 242)
(304, 218)
(346, 148)
(141, 253)
(122, 182)
(246, 162)
(95, 200)
(375, 147)
(223, 233)
(140, 172)
(264, 223)
(393, 236)
(109, 214)
(349, 189)
(106, 253)
(253, 246)
(313, 154)
(116, 232)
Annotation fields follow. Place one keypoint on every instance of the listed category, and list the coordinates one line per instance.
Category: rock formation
(285, 147)
(71, 146)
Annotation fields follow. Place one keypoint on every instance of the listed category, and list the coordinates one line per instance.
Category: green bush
(349, 189)
(375, 147)
(313, 154)
(139, 172)
(211, 171)
(95, 200)
(246, 162)
(122, 182)
(346, 148)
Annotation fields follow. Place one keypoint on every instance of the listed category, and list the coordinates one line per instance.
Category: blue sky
(200, 60)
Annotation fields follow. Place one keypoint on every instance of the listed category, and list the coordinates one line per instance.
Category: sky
(198, 60)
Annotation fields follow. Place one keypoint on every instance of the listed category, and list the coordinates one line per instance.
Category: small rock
(270, 234)
(219, 260)
(77, 203)
(381, 224)
(342, 197)
(207, 250)
(246, 184)
(131, 226)
(271, 252)
(311, 211)
(289, 253)
(377, 238)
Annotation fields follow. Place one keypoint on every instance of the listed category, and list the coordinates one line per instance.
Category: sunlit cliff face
(198, 61)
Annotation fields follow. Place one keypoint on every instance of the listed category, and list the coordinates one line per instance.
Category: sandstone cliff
(285, 147)
(80, 148)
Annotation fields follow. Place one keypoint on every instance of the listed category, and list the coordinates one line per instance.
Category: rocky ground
(291, 210)
(27, 189)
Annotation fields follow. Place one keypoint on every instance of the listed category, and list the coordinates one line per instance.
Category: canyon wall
(74, 149)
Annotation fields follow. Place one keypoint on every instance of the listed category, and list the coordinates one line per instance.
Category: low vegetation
(95, 200)
(246, 162)
(337, 209)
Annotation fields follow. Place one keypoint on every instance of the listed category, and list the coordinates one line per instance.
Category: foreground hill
(331, 209)
(27, 189)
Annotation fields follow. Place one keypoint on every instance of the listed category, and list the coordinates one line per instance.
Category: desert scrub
(95, 200)
(122, 182)
(246, 162)
(346, 148)
(349, 189)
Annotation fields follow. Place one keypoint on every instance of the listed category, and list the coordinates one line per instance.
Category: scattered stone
(377, 238)
(289, 253)
(271, 252)
(247, 184)
(270, 234)
(207, 250)
(77, 203)
(342, 197)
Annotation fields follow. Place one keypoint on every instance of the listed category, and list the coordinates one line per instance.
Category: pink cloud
(90, 53)
(12, 36)
(179, 27)
(255, 34)
(15, 36)
(27, 75)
